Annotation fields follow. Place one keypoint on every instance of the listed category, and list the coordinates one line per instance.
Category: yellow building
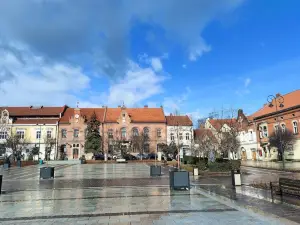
(36, 127)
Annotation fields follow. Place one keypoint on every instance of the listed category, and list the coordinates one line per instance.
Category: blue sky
(193, 56)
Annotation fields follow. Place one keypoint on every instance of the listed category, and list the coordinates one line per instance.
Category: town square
(149, 112)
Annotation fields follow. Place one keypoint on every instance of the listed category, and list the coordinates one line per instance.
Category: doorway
(253, 155)
(75, 153)
(244, 156)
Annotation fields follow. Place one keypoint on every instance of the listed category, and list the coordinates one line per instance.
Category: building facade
(35, 126)
(282, 113)
(180, 132)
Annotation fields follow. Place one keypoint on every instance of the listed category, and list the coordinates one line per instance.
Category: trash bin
(196, 171)
(1, 183)
(236, 177)
(179, 179)
(155, 170)
(41, 162)
(47, 172)
(6, 165)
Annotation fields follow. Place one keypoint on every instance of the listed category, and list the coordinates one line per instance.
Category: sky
(189, 56)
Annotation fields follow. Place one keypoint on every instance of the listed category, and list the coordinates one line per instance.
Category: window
(135, 132)
(276, 127)
(146, 148)
(110, 133)
(146, 131)
(172, 137)
(21, 134)
(283, 128)
(180, 136)
(265, 131)
(63, 133)
(123, 132)
(295, 127)
(76, 133)
(158, 132)
(3, 135)
(123, 117)
(187, 136)
(38, 134)
(49, 133)
(251, 136)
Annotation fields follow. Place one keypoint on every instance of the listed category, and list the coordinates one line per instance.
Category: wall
(176, 130)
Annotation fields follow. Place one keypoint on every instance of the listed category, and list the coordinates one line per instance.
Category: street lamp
(278, 100)
(40, 138)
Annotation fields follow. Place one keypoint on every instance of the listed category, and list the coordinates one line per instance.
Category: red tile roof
(36, 121)
(34, 111)
(87, 112)
(219, 123)
(291, 99)
(179, 121)
(138, 115)
(202, 133)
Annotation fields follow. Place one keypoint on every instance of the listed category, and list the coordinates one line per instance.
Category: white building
(180, 132)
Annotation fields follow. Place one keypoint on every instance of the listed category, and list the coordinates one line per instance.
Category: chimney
(145, 106)
(278, 95)
(171, 114)
(119, 106)
(103, 106)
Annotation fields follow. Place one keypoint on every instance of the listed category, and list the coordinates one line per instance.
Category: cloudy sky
(192, 56)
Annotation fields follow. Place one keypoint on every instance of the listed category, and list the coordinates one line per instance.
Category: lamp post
(279, 100)
(40, 138)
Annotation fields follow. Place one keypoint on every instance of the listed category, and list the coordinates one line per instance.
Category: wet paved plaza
(114, 194)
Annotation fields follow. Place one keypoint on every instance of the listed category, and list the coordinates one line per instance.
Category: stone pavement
(295, 166)
(115, 194)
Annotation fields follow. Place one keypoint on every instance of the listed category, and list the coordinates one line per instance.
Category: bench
(286, 186)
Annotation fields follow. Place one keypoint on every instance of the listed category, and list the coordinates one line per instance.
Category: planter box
(179, 179)
(236, 178)
(155, 170)
(47, 172)
(0, 184)
(19, 163)
(6, 165)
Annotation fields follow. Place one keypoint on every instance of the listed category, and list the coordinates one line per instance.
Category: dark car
(129, 157)
(143, 156)
(152, 156)
(98, 157)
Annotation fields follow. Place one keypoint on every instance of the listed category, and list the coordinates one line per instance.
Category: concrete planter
(47, 172)
(179, 179)
(19, 163)
(196, 171)
(1, 183)
(236, 177)
(155, 170)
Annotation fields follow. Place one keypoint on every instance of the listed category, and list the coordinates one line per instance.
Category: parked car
(143, 156)
(98, 157)
(152, 156)
(130, 157)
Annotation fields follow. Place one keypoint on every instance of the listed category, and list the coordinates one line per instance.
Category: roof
(139, 115)
(34, 111)
(36, 121)
(87, 112)
(200, 133)
(219, 123)
(291, 99)
(179, 121)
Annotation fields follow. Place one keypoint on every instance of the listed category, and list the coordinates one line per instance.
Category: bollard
(1, 176)
(236, 178)
(196, 171)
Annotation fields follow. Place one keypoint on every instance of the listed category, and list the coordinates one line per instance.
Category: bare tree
(50, 143)
(204, 143)
(16, 144)
(282, 139)
(139, 141)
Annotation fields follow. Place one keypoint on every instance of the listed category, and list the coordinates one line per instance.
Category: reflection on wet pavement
(109, 194)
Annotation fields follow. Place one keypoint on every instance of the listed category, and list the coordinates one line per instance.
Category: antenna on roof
(77, 104)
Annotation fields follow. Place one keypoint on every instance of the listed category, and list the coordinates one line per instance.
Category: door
(75, 153)
(244, 156)
(254, 155)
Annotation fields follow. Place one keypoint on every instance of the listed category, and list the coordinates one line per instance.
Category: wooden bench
(286, 186)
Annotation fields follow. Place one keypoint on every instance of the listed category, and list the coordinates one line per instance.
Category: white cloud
(138, 85)
(197, 50)
(184, 66)
(247, 82)
(34, 81)
(156, 64)
(174, 103)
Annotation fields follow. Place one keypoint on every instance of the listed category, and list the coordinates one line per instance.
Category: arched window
(123, 132)
(283, 128)
(295, 127)
(146, 131)
(135, 132)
